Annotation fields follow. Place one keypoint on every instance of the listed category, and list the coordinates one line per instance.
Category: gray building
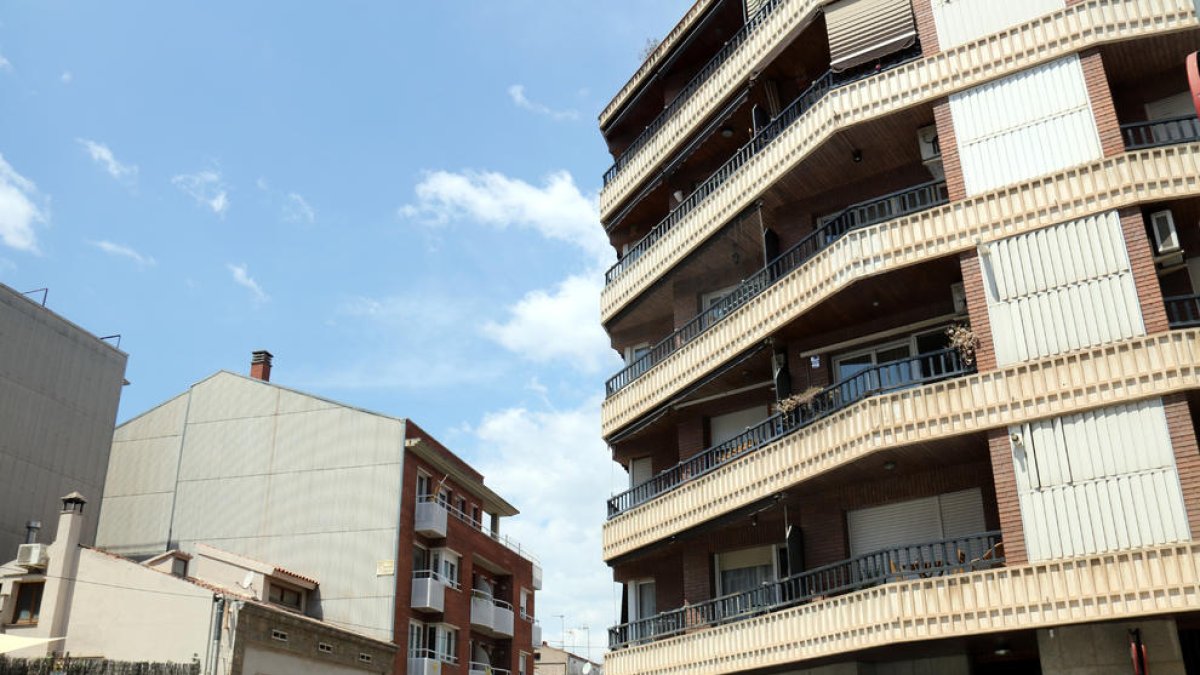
(59, 390)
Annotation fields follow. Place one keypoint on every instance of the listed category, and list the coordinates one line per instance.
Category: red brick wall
(1008, 508)
(926, 27)
(1145, 278)
(948, 142)
(467, 541)
(1187, 454)
(1096, 80)
(977, 311)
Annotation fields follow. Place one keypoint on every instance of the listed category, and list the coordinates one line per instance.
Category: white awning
(861, 31)
(11, 643)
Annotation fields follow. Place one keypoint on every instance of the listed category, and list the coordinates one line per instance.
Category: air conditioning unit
(1166, 237)
(32, 555)
(931, 151)
(959, 294)
(927, 138)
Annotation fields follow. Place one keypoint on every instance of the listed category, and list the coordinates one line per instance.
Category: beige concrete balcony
(1136, 177)
(1064, 32)
(1121, 585)
(1114, 373)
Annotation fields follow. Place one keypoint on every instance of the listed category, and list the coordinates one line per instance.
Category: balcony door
(898, 369)
(916, 521)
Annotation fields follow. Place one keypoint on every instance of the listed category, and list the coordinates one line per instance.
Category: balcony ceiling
(1130, 63)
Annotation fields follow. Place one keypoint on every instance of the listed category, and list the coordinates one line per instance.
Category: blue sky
(396, 199)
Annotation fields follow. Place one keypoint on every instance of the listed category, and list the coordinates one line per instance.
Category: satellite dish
(247, 580)
(587, 668)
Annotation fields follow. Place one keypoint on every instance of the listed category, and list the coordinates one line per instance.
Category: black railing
(1154, 133)
(891, 376)
(877, 210)
(938, 558)
(1183, 311)
(815, 92)
(752, 24)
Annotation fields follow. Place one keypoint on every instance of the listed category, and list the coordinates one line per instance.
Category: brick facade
(1007, 504)
(977, 311)
(948, 142)
(1145, 277)
(926, 27)
(1182, 428)
(469, 542)
(1111, 142)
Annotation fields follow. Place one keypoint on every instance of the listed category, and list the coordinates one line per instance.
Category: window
(521, 664)
(475, 516)
(424, 486)
(525, 603)
(710, 300)
(443, 496)
(364, 657)
(324, 647)
(29, 602)
(420, 559)
(284, 596)
(179, 567)
(642, 602)
(461, 505)
(445, 563)
(447, 644)
(632, 354)
(745, 570)
(416, 639)
(279, 635)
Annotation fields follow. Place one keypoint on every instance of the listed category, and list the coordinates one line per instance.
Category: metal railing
(876, 210)
(436, 576)
(1155, 133)
(1183, 311)
(815, 92)
(892, 376)
(487, 669)
(504, 540)
(752, 24)
(938, 558)
(432, 655)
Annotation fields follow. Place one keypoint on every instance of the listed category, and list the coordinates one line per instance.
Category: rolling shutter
(861, 31)
(917, 521)
(752, 7)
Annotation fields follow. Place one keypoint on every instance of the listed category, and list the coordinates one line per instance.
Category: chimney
(31, 531)
(260, 365)
(62, 569)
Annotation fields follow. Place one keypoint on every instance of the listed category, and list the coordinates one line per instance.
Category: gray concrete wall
(1103, 648)
(59, 391)
(271, 474)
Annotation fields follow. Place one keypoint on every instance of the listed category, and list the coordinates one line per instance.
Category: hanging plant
(963, 340)
(794, 401)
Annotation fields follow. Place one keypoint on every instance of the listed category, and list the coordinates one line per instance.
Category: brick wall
(948, 142)
(977, 310)
(1007, 506)
(1145, 278)
(1187, 454)
(1094, 76)
(926, 27)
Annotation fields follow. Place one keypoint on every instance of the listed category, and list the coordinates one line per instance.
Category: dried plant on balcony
(963, 340)
(794, 401)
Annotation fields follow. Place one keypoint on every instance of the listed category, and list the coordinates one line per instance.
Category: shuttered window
(917, 521)
(861, 31)
(752, 7)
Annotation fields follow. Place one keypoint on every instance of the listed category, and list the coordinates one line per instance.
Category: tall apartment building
(403, 535)
(59, 391)
(908, 295)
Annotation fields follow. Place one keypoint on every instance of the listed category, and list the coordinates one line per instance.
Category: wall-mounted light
(889, 466)
(678, 195)
(856, 155)
(726, 132)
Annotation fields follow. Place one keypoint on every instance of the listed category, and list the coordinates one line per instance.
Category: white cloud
(5, 64)
(517, 93)
(557, 209)
(207, 188)
(297, 210)
(242, 278)
(122, 251)
(561, 325)
(102, 155)
(66, 77)
(561, 496)
(19, 212)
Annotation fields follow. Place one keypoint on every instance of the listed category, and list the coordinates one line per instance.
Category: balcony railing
(1183, 311)
(892, 376)
(1154, 133)
(478, 668)
(815, 92)
(731, 47)
(504, 540)
(939, 558)
(901, 203)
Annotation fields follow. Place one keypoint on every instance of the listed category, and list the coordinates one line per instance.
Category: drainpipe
(214, 653)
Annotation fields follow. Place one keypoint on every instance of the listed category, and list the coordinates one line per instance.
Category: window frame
(32, 592)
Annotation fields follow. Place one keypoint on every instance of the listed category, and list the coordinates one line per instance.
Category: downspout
(214, 647)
